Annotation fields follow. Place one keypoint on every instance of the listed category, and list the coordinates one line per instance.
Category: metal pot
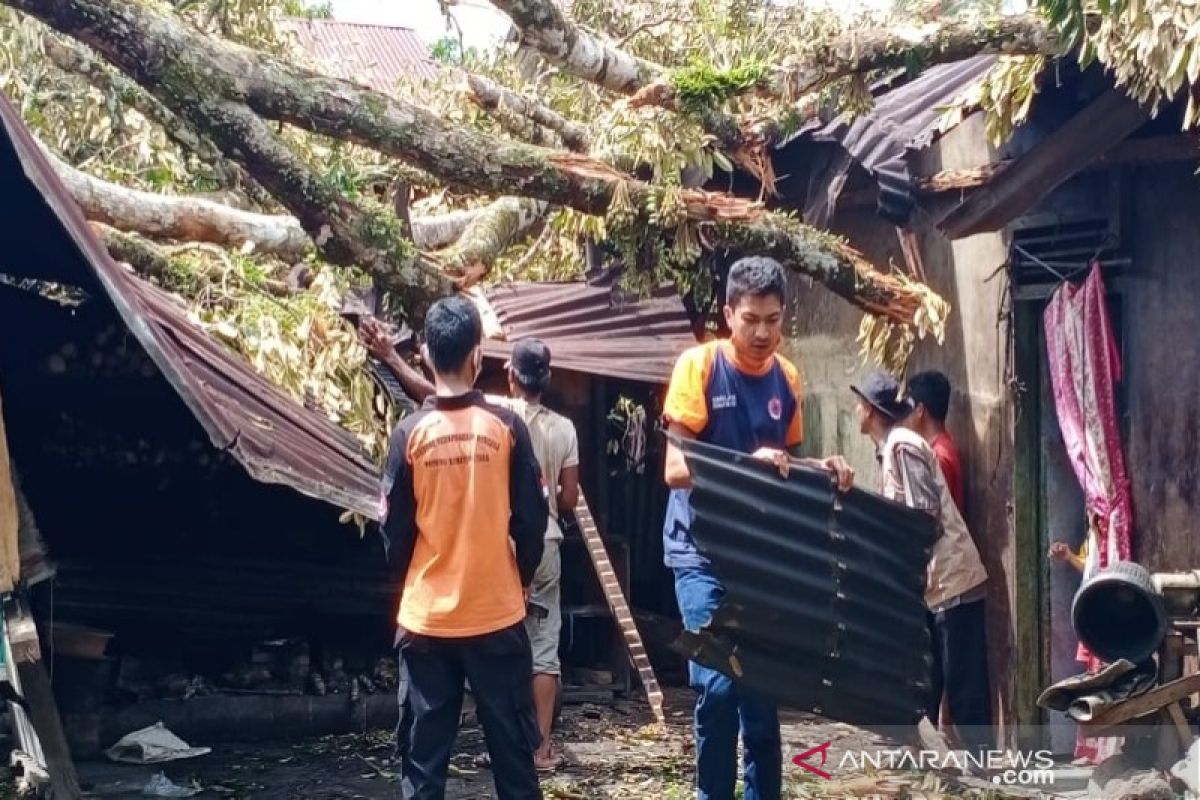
(1118, 613)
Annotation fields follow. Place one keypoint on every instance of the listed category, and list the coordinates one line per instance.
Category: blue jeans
(723, 709)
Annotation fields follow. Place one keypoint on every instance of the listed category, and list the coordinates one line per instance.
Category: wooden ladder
(619, 606)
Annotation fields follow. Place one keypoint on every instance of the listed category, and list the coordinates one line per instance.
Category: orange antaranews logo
(802, 760)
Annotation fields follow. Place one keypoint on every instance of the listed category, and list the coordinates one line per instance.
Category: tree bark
(544, 27)
(935, 43)
(441, 230)
(194, 219)
(150, 261)
(490, 233)
(220, 87)
(491, 96)
(181, 218)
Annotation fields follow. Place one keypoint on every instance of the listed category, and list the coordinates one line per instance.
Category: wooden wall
(1162, 363)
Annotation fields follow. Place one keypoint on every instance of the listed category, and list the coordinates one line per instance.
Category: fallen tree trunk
(220, 87)
(181, 218)
(481, 234)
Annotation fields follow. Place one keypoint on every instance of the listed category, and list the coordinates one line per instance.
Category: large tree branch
(798, 80)
(496, 228)
(186, 218)
(491, 96)
(197, 76)
(441, 230)
(941, 42)
(151, 261)
(544, 27)
(181, 218)
(343, 232)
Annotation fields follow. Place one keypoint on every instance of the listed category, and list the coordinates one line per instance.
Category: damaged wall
(822, 339)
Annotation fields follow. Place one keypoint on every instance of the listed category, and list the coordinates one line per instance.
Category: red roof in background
(378, 56)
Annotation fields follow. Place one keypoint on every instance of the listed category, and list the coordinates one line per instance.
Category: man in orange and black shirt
(465, 520)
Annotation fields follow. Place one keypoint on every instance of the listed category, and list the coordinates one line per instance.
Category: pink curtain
(1085, 367)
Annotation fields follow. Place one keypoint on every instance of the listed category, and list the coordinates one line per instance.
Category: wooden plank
(1150, 150)
(43, 711)
(1151, 702)
(910, 247)
(619, 607)
(1029, 610)
(1181, 724)
(10, 555)
(958, 180)
(1052, 161)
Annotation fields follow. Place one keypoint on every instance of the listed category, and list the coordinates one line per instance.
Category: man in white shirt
(556, 447)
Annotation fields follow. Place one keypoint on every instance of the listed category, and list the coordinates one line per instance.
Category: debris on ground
(162, 786)
(615, 753)
(153, 745)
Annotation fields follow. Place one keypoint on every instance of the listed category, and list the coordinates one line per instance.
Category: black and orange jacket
(465, 516)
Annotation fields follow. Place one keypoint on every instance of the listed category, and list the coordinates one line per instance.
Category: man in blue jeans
(742, 395)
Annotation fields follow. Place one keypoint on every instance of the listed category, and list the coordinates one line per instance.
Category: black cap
(881, 391)
(531, 361)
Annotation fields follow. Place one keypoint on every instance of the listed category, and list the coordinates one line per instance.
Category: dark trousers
(960, 670)
(500, 668)
(404, 721)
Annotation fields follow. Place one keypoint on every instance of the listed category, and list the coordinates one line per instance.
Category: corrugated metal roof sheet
(824, 604)
(903, 119)
(275, 438)
(594, 327)
(378, 56)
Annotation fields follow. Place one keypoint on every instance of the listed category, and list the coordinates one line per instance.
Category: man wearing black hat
(955, 583)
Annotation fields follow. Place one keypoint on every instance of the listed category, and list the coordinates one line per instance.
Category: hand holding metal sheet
(824, 593)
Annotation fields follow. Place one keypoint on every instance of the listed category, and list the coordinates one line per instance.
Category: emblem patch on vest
(775, 408)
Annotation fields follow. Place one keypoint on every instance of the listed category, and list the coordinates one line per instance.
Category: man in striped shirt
(956, 580)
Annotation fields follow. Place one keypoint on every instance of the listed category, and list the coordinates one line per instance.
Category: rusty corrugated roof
(824, 606)
(275, 438)
(903, 119)
(594, 327)
(377, 56)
